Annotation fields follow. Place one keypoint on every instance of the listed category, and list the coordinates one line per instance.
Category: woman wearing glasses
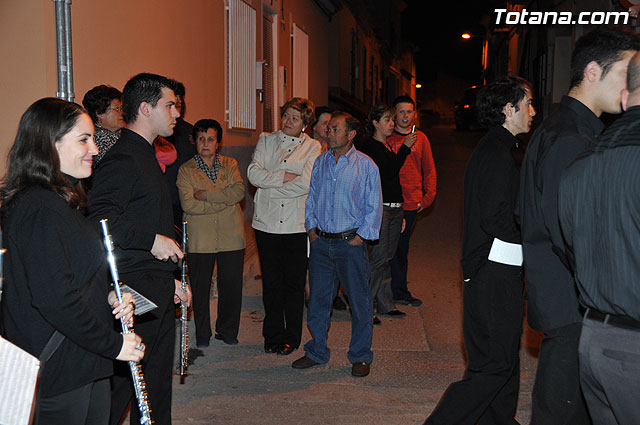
(104, 105)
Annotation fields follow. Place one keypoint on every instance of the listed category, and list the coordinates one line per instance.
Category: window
(372, 84)
(364, 75)
(269, 101)
(300, 61)
(355, 86)
(241, 65)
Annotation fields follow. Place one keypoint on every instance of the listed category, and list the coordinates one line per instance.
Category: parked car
(466, 112)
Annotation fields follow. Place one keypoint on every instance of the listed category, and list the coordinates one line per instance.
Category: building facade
(239, 59)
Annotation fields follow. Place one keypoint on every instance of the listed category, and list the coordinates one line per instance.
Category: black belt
(619, 321)
(342, 235)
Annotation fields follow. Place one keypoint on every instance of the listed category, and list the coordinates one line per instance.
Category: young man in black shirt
(598, 208)
(493, 301)
(185, 148)
(130, 190)
(598, 75)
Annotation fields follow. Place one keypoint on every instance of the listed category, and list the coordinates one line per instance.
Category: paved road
(415, 357)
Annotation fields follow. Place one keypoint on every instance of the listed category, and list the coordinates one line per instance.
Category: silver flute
(139, 386)
(184, 320)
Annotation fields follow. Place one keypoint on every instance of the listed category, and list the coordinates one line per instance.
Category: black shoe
(304, 363)
(395, 312)
(412, 301)
(271, 347)
(227, 340)
(286, 349)
(376, 321)
(202, 342)
(360, 369)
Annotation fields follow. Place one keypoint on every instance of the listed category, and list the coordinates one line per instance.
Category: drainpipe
(67, 41)
(63, 46)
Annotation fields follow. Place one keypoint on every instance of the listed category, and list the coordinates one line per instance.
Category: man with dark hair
(598, 209)
(183, 141)
(343, 209)
(319, 127)
(129, 189)
(418, 182)
(491, 265)
(180, 92)
(319, 132)
(599, 68)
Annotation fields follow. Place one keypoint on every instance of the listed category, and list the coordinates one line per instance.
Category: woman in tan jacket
(210, 189)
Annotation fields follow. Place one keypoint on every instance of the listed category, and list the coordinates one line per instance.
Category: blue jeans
(380, 254)
(400, 262)
(332, 261)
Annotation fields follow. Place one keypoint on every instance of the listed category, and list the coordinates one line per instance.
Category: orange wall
(306, 15)
(27, 49)
(116, 39)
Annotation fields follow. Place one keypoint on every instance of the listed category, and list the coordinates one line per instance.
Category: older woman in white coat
(281, 170)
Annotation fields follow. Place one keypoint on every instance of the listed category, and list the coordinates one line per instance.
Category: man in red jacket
(418, 181)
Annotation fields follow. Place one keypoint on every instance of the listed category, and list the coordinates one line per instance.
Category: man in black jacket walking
(491, 265)
(130, 190)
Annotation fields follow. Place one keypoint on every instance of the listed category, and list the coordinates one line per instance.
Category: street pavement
(415, 358)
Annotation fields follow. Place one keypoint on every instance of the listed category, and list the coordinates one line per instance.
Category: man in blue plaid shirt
(343, 209)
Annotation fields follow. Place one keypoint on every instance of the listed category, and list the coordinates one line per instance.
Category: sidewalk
(244, 385)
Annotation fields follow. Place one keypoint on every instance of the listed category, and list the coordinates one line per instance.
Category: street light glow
(418, 86)
(466, 36)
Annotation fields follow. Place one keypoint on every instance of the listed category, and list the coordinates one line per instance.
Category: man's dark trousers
(610, 372)
(557, 397)
(400, 262)
(492, 326)
(157, 330)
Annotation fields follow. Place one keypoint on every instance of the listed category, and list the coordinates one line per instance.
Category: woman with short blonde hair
(281, 170)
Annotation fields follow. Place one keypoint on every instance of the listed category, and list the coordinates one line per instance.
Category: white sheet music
(506, 253)
(142, 304)
(18, 375)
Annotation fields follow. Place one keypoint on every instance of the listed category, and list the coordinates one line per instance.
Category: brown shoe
(395, 312)
(360, 369)
(304, 363)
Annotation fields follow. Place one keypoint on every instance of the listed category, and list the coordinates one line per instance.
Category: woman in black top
(56, 273)
(380, 126)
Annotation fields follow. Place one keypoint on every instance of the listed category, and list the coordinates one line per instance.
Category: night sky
(436, 26)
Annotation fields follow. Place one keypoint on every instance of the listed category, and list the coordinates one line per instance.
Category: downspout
(67, 41)
(63, 46)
